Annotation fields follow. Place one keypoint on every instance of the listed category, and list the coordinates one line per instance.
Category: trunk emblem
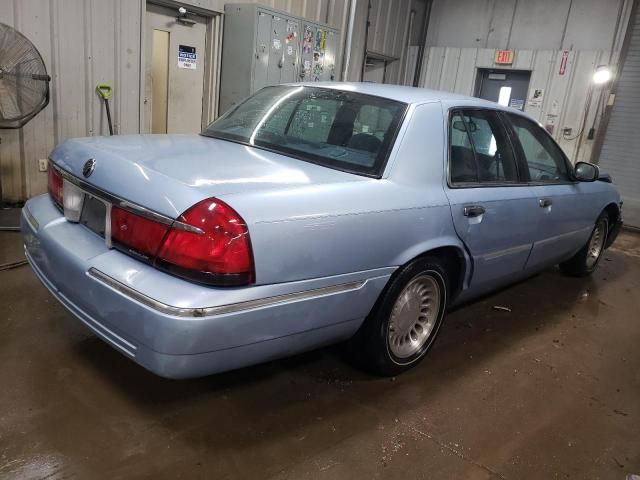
(88, 168)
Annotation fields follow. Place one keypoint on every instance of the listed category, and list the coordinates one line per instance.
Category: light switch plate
(42, 164)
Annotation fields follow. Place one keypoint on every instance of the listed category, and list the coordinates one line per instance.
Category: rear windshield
(337, 129)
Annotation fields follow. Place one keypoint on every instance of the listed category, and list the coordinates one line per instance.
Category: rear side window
(545, 160)
(480, 152)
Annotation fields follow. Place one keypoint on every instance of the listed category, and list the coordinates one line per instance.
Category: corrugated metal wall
(387, 36)
(566, 97)
(86, 42)
(331, 12)
(620, 151)
(525, 24)
(464, 35)
(83, 43)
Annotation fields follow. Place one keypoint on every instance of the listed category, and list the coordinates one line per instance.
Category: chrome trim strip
(31, 220)
(563, 235)
(107, 225)
(115, 200)
(144, 212)
(186, 227)
(221, 309)
(507, 251)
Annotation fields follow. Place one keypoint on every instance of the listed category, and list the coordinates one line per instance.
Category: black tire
(583, 263)
(371, 345)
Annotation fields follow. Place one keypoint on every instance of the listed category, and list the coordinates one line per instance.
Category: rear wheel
(586, 260)
(403, 325)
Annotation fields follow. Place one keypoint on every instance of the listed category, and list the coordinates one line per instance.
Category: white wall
(463, 36)
(565, 96)
(86, 42)
(528, 24)
(83, 43)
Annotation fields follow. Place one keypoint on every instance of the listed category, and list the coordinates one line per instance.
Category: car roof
(411, 95)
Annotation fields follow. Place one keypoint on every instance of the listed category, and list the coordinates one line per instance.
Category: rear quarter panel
(323, 230)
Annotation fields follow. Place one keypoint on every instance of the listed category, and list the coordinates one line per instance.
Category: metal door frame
(212, 57)
(477, 87)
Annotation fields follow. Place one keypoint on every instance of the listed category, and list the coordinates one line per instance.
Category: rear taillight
(219, 254)
(55, 186)
(136, 234)
(209, 243)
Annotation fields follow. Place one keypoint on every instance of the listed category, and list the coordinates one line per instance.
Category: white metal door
(175, 66)
(619, 155)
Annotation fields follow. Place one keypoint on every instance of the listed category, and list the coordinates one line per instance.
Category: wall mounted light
(183, 18)
(602, 75)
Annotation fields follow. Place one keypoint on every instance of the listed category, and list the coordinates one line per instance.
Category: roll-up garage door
(620, 154)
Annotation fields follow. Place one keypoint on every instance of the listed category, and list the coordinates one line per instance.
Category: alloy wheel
(414, 316)
(596, 243)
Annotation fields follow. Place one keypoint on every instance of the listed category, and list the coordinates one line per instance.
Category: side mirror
(586, 172)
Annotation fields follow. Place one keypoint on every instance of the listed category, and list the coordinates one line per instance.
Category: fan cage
(24, 83)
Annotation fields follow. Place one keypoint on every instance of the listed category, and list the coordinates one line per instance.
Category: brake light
(136, 234)
(54, 185)
(220, 255)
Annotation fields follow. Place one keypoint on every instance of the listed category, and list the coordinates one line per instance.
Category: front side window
(337, 129)
(480, 151)
(545, 160)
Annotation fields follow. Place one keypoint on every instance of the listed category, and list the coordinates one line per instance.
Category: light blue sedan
(307, 215)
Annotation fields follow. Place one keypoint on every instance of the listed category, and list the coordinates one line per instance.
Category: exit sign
(504, 57)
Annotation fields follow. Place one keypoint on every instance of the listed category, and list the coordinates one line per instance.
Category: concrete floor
(549, 390)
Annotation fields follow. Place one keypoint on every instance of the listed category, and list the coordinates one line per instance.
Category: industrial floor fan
(24, 83)
(24, 90)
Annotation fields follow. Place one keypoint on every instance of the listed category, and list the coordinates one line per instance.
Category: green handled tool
(105, 92)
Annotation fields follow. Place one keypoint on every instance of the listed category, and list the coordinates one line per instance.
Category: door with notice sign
(174, 73)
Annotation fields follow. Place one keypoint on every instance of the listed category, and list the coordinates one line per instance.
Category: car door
(490, 204)
(563, 218)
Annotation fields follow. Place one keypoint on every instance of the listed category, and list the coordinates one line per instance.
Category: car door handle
(473, 211)
(545, 202)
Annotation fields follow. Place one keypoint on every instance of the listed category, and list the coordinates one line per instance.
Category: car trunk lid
(170, 173)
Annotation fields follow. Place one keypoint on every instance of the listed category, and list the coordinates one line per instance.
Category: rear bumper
(178, 329)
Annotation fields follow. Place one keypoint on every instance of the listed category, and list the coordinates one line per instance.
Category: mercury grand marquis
(307, 215)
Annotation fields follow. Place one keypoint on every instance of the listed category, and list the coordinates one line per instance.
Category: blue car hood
(170, 173)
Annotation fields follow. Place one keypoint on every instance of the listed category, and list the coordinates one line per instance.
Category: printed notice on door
(187, 57)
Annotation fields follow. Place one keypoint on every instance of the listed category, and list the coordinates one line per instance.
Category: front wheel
(406, 319)
(586, 260)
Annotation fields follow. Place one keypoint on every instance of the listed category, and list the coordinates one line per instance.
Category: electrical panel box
(318, 54)
(262, 46)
